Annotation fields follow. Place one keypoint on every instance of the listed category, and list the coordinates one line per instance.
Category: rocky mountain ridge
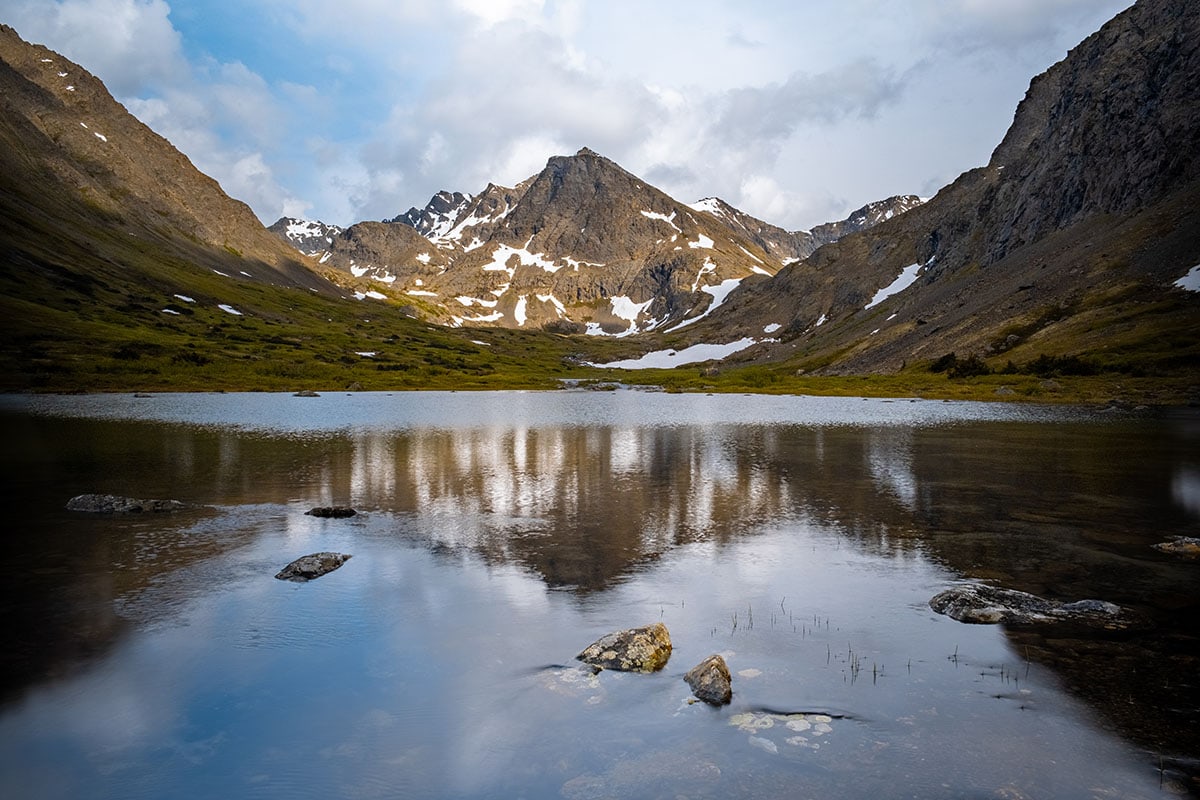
(1072, 240)
(583, 246)
(67, 144)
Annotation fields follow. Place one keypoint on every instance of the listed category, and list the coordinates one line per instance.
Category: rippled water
(500, 533)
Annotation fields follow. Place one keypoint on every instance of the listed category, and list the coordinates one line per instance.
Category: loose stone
(114, 504)
(986, 605)
(710, 681)
(335, 512)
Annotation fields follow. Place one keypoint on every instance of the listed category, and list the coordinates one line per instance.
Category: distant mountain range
(1077, 245)
(583, 246)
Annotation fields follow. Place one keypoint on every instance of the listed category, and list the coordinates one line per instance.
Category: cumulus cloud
(131, 43)
(770, 113)
(794, 112)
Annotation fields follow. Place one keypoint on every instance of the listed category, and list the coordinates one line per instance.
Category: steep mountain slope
(1069, 243)
(123, 267)
(582, 246)
(66, 141)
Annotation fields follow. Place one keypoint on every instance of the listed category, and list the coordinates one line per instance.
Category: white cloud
(130, 42)
(796, 113)
(493, 12)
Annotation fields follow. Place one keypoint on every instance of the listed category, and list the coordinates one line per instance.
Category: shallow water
(500, 533)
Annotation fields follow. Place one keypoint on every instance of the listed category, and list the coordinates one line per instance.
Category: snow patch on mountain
(719, 294)
(709, 205)
(626, 309)
(503, 253)
(666, 359)
(1190, 281)
(475, 301)
(670, 220)
(707, 267)
(907, 277)
(554, 301)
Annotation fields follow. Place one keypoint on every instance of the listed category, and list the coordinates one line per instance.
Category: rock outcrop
(988, 605)
(307, 568)
(635, 650)
(710, 681)
(115, 504)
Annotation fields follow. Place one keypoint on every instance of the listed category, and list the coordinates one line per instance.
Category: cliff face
(1107, 131)
(1068, 241)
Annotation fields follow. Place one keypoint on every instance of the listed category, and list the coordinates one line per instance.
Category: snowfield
(665, 359)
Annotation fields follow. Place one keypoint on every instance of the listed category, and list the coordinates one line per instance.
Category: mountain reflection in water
(1066, 509)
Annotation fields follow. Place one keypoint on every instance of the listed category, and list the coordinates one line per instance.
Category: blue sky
(797, 112)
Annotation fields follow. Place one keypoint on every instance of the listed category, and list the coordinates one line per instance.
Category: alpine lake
(155, 655)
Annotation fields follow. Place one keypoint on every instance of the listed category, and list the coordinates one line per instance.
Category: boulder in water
(306, 568)
(710, 681)
(115, 504)
(635, 650)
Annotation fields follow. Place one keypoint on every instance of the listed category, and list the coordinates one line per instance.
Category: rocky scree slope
(1071, 242)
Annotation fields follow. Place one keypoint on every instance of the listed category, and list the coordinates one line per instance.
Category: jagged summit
(310, 237)
(438, 216)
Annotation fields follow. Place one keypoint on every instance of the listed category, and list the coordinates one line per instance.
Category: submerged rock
(710, 681)
(334, 512)
(306, 568)
(636, 650)
(114, 504)
(1182, 546)
(987, 605)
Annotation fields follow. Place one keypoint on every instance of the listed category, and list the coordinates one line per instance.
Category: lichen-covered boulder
(1182, 546)
(636, 650)
(710, 681)
(988, 605)
(115, 504)
(306, 568)
(333, 512)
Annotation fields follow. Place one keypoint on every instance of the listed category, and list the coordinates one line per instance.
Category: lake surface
(499, 534)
